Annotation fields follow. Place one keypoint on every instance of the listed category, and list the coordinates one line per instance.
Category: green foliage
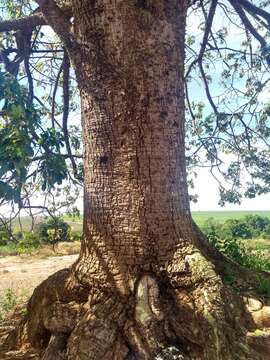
(247, 227)
(9, 250)
(264, 286)
(17, 124)
(75, 236)
(258, 224)
(236, 251)
(28, 243)
(53, 170)
(201, 217)
(212, 229)
(236, 228)
(228, 237)
(54, 231)
(4, 236)
(7, 302)
(266, 233)
(21, 136)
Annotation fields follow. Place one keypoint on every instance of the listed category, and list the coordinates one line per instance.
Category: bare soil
(23, 273)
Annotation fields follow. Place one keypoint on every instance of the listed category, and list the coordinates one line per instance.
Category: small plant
(235, 250)
(212, 230)
(4, 236)
(266, 233)
(264, 286)
(7, 302)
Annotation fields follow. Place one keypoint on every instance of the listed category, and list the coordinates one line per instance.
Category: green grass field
(198, 216)
(222, 216)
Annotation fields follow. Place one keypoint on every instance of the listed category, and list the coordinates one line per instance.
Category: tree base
(183, 311)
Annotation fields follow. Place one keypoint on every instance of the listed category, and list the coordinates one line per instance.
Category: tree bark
(131, 81)
(145, 282)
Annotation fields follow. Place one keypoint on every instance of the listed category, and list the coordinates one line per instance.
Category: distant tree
(146, 277)
(258, 224)
(236, 228)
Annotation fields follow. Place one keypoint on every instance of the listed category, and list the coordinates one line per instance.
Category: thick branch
(59, 20)
(26, 23)
(253, 9)
(248, 25)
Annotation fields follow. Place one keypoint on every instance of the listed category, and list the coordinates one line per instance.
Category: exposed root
(56, 349)
(55, 306)
(185, 307)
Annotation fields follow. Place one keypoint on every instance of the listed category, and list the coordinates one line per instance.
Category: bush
(266, 233)
(212, 230)
(251, 226)
(29, 242)
(258, 225)
(236, 229)
(53, 231)
(75, 236)
(4, 236)
(236, 251)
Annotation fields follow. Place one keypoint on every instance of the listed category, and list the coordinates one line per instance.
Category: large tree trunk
(142, 283)
(131, 80)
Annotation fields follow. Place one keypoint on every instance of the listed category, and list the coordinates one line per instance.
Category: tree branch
(26, 23)
(248, 25)
(253, 9)
(208, 26)
(66, 71)
(59, 20)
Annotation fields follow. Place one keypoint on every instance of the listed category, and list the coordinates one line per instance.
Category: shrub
(53, 231)
(266, 233)
(29, 242)
(236, 251)
(236, 228)
(75, 236)
(4, 236)
(258, 225)
(212, 230)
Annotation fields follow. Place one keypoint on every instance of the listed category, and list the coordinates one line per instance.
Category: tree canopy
(227, 107)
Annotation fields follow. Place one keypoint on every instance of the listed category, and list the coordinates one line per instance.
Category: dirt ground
(23, 274)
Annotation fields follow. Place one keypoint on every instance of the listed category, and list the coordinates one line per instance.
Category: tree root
(183, 311)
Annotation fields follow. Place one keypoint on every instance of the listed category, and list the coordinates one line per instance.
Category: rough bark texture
(146, 285)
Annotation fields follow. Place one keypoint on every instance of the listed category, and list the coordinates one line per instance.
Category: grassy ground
(198, 216)
(75, 224)
(10, 298)
(63, 248)
(222, 216)
(258, 244)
